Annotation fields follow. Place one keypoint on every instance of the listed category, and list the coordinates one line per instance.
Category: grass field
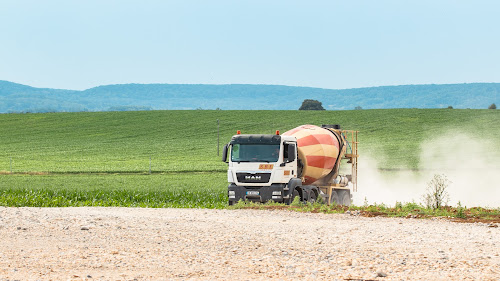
(103, 158)
(198, 190)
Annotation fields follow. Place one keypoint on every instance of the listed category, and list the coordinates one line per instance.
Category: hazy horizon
(248, 84)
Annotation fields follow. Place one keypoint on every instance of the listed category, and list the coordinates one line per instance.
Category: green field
(103, 158)
(198, 190)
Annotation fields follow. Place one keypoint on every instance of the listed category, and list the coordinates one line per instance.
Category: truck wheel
(334, 199)
(345, 197)
(312, 196)
(295, 193)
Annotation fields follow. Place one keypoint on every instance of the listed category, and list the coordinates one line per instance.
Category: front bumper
(276, 192)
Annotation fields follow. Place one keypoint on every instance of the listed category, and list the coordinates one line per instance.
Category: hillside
(20, 98)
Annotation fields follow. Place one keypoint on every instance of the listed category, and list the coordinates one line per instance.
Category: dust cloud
(471, 164)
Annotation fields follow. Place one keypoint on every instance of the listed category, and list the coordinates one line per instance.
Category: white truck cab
(261, 167)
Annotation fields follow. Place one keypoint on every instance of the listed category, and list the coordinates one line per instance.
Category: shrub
(460, 211)
(437, 195)
(492, 106)
(296, 201)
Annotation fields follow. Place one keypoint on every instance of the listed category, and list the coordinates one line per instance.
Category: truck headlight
(231, 194)
(276, 192)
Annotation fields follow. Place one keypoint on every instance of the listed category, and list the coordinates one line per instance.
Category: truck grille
(253, 178)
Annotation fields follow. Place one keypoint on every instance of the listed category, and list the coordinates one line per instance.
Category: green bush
(437, 194)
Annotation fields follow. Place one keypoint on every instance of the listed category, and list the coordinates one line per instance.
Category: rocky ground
(182, 244)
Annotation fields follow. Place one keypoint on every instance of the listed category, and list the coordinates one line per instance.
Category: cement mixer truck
(308, 162)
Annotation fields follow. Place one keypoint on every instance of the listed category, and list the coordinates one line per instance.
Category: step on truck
(308, 162)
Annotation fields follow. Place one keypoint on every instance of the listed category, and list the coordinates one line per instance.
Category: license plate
(252, 192)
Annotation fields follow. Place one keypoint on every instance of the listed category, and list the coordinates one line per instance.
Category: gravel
(199, 244)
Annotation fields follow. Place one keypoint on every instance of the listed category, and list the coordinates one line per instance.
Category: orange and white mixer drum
(318, 149)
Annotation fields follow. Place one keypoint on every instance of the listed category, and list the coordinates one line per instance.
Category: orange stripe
(321, 162)
(317, 139)
(309, 180)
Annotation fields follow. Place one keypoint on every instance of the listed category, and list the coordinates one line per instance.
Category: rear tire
(312, 196)
(334, 199)
(345, 197)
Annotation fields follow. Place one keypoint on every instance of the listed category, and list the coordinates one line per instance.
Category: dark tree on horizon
(308, 104)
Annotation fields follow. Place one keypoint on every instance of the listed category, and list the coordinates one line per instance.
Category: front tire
(295, 193)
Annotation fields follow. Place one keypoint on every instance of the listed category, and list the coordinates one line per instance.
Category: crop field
(198, 190)
(105, 158)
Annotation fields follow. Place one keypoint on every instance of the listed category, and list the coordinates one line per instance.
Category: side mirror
(291, 153)
(224, 153)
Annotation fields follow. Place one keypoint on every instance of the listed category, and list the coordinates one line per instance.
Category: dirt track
(156, 244)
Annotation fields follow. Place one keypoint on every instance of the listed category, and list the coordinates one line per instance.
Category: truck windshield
(255, 152)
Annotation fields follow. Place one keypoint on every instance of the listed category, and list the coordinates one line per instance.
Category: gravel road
(182, 244)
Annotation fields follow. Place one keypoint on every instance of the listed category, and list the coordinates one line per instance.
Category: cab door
(289, 164)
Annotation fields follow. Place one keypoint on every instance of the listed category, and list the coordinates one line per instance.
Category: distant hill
(21, 98)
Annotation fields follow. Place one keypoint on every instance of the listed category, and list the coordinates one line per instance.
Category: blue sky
(329, 44)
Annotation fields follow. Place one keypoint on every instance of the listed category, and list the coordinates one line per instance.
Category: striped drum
(318, 149)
